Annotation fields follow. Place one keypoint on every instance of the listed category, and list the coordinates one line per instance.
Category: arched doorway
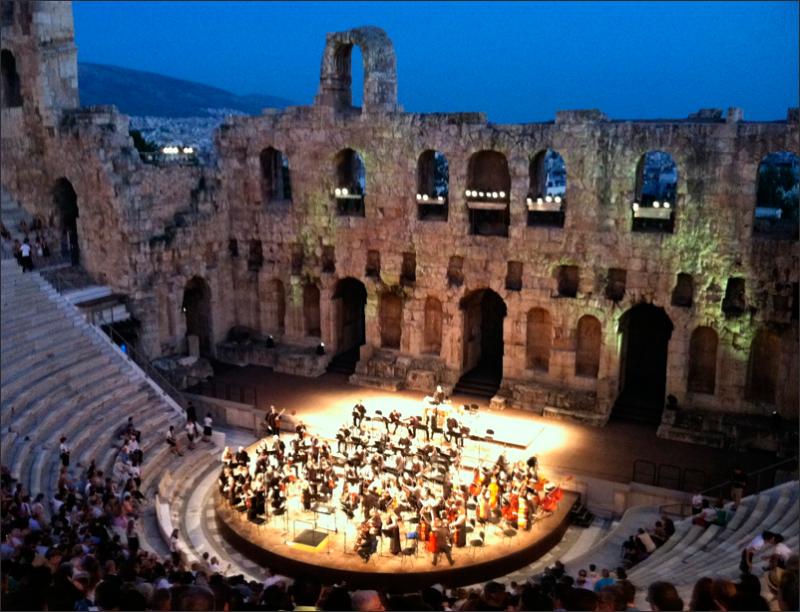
(196, 307)
(646, 330)
(66, 203)
(349, 301)
(484, 311)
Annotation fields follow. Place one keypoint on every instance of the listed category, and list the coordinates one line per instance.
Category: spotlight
(502, 194)
(480, 194)
(558, 199)
(425, 197)
(666, 205)
(539, 201)
(337, 191)
(474, 194)
(548, 199)
(344, 191)
(494, 195)
(419, 197)
(188, 150)
(321, 348)
(635, 206)
(467, 193)
(656, 204)
(440, 198)
(529, 201)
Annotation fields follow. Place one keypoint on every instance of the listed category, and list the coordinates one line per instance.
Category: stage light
(548, 199)
(558, 199)
(467, 193)
(666, 205)
(337, 191)
(635, 206)
(270, 341)
(344, 191)
(425, 197)
(494, 195)
(419, 196)
(529, 200)
(188, 150)
(474, 194)
(440, 198)
(656, 204)
(539, 201)
(502, 194)
(480, 194)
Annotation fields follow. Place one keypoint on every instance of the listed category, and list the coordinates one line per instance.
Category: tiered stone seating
(62, 376)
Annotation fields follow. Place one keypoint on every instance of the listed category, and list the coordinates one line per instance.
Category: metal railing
(718, 490)
(147, 367)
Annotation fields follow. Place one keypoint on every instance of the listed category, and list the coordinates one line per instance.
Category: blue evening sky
(518, 61)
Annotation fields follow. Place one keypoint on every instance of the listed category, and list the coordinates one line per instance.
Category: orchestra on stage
(399, 480)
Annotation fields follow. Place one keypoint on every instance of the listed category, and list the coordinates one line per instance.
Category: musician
(395, 419)
(459, 526)
(413, 424)
(430, 422)
(242, 458)
(358, 414)
(439, 395)
(301, 430)
(442, 542)
(392, 531)
(454, 430)
(363, 544)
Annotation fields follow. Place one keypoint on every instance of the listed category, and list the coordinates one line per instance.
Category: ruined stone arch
(703, 360)
(391, 320)
(762, 367)
(380, 71)
(196, 308)
(311, 310)
(538, 339)
(65, 202)
(655, 192)
(11, 84)
(777, 206)
(276, 184)
(432, 332)
(588, 343)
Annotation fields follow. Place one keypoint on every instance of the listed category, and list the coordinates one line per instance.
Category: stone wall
(148, 230)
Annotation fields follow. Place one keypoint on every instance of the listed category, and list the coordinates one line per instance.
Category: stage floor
(608, 452)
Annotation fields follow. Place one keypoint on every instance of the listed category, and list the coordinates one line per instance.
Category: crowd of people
(37, 241)
(389, 481)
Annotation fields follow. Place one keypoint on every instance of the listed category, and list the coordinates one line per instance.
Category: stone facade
(148, 230)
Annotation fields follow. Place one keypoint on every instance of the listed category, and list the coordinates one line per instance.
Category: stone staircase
(62, 376)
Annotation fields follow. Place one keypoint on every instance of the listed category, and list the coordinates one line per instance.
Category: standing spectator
(174, 550)
(191, 413)
(702, 598)
(738, 483)
(26, 260)
(207, 431)
(63, 451)
(604, 581)
(173, 442)
(191, 431)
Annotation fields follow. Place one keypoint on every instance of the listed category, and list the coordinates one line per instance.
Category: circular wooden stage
(275, 544)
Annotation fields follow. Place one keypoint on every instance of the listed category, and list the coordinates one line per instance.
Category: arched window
(391, 318)
(547, 189)
(702, 360)
(276, 184)
(351, 183)
(762, 367)
(433, 177)
(11, 88)
(778, 196)
(587, 352)
(432, 337)
(653, 208)
(311, 317)
(537, 345)
(488, 193)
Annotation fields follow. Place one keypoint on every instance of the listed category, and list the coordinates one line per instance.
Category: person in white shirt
(25, 256)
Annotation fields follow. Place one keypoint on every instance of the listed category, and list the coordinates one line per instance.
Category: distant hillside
(139, 93)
